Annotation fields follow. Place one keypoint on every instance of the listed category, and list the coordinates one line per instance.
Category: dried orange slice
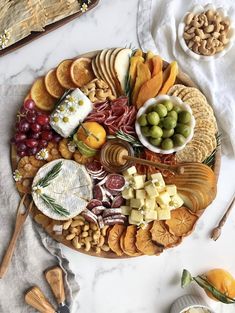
(144, 242)
(53, 86)
(130, 240)
(114, 238)
(63, 74)
(162, 236)
(41, 97)
(182, 222)
(81, 72)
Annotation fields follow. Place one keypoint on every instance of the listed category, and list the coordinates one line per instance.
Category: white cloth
(157, 27)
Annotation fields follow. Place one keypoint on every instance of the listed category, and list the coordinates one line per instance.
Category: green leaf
(53, 205)
(186, 278)
(52, 174)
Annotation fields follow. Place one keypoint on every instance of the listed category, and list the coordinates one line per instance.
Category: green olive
(182, 129)
(153, 118)
(142, 120)
(168, 104)
(155, 141)
(155, 132)
(167, 133)
(173, 114)
(179, 140)
(145, 131)
(167, 144)
(160, 109)
(169, 122)
(177, 109)
(184, 117)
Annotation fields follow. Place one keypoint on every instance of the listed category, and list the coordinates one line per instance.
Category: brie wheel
(72, 189)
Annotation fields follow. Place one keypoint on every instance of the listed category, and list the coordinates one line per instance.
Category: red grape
(47, 135)
(31, 143)
(42, 143)
(46, 127)
(56, 137)
(21, 146)
(42, 119)
(31, 116)
(33, 151)
(21, 153)
(20, 137)
(34, 135)
(29, 104)
(35, 127)
(23, 126)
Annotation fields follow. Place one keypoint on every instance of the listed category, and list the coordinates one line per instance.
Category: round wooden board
(182, 78)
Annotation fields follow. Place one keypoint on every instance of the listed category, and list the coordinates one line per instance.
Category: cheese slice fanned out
(71, 189)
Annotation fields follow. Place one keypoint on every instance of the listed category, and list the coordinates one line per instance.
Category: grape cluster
(33, 131)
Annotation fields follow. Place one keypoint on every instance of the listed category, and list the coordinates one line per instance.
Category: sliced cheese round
(71, 189)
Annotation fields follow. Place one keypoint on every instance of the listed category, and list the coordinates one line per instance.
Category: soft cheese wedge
(71, 189)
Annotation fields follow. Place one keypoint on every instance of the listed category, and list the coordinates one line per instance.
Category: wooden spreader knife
(35, 297)
(54, 277)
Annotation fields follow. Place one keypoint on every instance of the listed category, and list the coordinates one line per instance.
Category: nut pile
(97, 90)
(85, 235)
(206, 33)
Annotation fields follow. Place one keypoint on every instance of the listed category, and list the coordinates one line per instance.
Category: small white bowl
(196, 10)
(177, 102)
(186, 302)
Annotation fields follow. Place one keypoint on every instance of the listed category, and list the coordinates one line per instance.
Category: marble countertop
(144, 284)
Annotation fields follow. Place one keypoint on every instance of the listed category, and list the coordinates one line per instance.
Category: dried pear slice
(129, 243)
(162, 236)
(114, 238)
(144, 242)
(182, 222)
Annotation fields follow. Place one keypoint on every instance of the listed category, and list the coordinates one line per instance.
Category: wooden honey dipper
(118, 155)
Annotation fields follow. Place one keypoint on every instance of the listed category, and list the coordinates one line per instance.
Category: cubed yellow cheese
(136, 216)
(130, 171)
(151, 189)
(157, 178)
(128, 193)
(138, 181)
(163, 198)
(163, 214)
(140, 194)
(176, 201)
(151, 216)
(165, 207)
(150, 203)
(126, 210)
(137, 203)
(171, 189)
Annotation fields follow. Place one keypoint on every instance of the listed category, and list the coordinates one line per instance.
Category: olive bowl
(176, 102)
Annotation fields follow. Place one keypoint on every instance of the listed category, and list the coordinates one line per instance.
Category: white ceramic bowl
(187, 302)
(199, 9)
(177, 102)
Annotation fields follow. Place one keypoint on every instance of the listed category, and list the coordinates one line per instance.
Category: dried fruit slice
(122, 241)
(162, 236)
(81, 72)
(63, 74)
(182, 222)
(41, 97)
(53, 86)
(114, 238)
(129, 246)
(144, 242)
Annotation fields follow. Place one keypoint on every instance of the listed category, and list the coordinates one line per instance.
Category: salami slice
(98, 193)
(94, 167)
(98, 209)
(115, 182)
(93, 203)
(112, 221)
(106, 203)
(89, 216)
(111, 212)
(117, 201)
(100, 221)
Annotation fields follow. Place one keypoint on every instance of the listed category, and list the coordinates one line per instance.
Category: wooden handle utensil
(54, 278)
(216, 232)
(38, 301)
(20, 219)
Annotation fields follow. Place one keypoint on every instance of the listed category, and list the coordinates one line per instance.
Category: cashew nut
(70, 236)
(101, 241)
(76, 243)
(87, 244)
(209, 28)
(77, 223)
(188, 36)
(188, 18)
(105, 248)
(67, 224)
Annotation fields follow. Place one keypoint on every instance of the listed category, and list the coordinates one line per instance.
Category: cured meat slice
(111, 212)
(94, 167)
(93, 203)
(106, 203)
(117, 201)
(89, 216)
(115, 182)
(100, 221)
(98, 193)
(98, 210)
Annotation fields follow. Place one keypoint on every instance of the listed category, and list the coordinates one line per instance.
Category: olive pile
(166, 126)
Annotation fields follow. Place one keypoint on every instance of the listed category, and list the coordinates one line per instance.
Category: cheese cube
(138, 181)
(176, 201)
(128, 193)
(140, 194)
(150, 204)
(157, 178)
(130, 171)
(163, 214)
(136, 217)
(126, 210)
(137, 203)
(171, 189)
(165, 207)
(163, 198)
(151, 189)
(151, 216)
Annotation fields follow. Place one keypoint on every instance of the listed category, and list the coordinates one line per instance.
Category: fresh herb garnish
(52, 174)
(53, 205)
(210, 161)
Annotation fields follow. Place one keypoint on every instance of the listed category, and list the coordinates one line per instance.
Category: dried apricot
(114, 238)
(162, 236)
(144, 242)
(130, 240)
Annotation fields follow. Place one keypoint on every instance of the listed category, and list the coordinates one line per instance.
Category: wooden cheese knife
(54, 277)
(35, 298)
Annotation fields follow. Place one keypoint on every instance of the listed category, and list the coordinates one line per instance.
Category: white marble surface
(145, 284)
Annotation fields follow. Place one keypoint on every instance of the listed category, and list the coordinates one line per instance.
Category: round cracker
(189, 154)
(201, 146)
(175, 88)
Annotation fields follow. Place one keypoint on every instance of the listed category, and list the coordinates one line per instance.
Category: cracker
(175, 88)
(189, 154)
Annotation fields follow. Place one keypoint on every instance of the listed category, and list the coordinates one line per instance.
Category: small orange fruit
(92, 134)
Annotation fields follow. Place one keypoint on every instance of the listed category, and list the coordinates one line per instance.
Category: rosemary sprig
(53, 205)
(211, 159)
(52, 174)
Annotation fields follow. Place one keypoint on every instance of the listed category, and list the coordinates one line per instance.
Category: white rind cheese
(72, 189)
